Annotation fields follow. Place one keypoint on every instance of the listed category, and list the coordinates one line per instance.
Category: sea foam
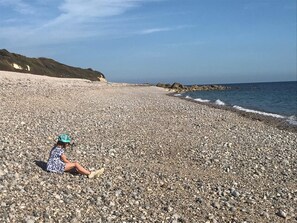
(177, 95)
(219, 102)
(257, 112)
(201, 100)
(292, 120)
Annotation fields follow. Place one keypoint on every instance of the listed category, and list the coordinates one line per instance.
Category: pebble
(2, 173)
(199, 200)
(30, 219)
(281, 214)
(233, 209)
(265, 214)
(216, 205)
(235, 193)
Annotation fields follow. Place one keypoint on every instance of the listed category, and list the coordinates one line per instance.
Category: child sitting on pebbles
(58, 163)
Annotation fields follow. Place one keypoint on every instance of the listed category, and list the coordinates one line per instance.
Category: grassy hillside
(44, 66)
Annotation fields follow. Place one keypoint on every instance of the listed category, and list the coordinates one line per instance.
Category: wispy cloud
(155, 30)
(72, 20)
(18, 6)
(97, 8)
(84, 11)
(163, 29)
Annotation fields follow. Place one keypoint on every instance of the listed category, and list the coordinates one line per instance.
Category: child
(58, 163)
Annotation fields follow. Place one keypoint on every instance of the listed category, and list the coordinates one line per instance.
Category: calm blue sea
(277, 99)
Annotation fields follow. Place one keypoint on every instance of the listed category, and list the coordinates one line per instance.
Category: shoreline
(165, 159)
(278, 123)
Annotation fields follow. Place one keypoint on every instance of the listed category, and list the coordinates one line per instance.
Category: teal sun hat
(64, 138)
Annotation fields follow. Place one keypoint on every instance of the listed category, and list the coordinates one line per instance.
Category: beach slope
(166, 159)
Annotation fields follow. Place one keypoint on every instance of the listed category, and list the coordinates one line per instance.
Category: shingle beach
(165, 159)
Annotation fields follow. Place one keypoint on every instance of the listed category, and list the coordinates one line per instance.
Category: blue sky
(189, 41)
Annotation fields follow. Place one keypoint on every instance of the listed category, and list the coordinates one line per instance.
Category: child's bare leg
(78, 167)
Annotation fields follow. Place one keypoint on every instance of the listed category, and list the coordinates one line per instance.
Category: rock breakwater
(179, 88)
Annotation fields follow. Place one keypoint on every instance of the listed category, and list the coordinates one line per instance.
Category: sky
(151, 41)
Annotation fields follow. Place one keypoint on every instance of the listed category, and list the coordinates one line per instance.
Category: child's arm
(64, 158)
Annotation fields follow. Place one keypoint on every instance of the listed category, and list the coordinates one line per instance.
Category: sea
(275, 99)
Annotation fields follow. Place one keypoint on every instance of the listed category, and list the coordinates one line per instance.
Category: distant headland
(45, 66)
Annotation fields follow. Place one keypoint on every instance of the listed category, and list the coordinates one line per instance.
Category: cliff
(45, 66)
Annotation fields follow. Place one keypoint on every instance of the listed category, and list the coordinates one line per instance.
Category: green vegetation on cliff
(45, 66)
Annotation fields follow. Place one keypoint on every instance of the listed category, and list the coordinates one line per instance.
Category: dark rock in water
(45, 66)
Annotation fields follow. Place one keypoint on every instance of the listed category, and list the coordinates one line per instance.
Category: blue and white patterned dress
(54, 163)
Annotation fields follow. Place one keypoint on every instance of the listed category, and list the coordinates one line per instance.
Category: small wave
(257, 112)
(177, 95)
(292, 120)
(219, 102)
(201, 100)
(188, 97)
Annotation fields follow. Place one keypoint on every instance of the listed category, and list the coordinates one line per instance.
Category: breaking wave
(292, 120)
(258, 112)
(201, 100)
(219, 102)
